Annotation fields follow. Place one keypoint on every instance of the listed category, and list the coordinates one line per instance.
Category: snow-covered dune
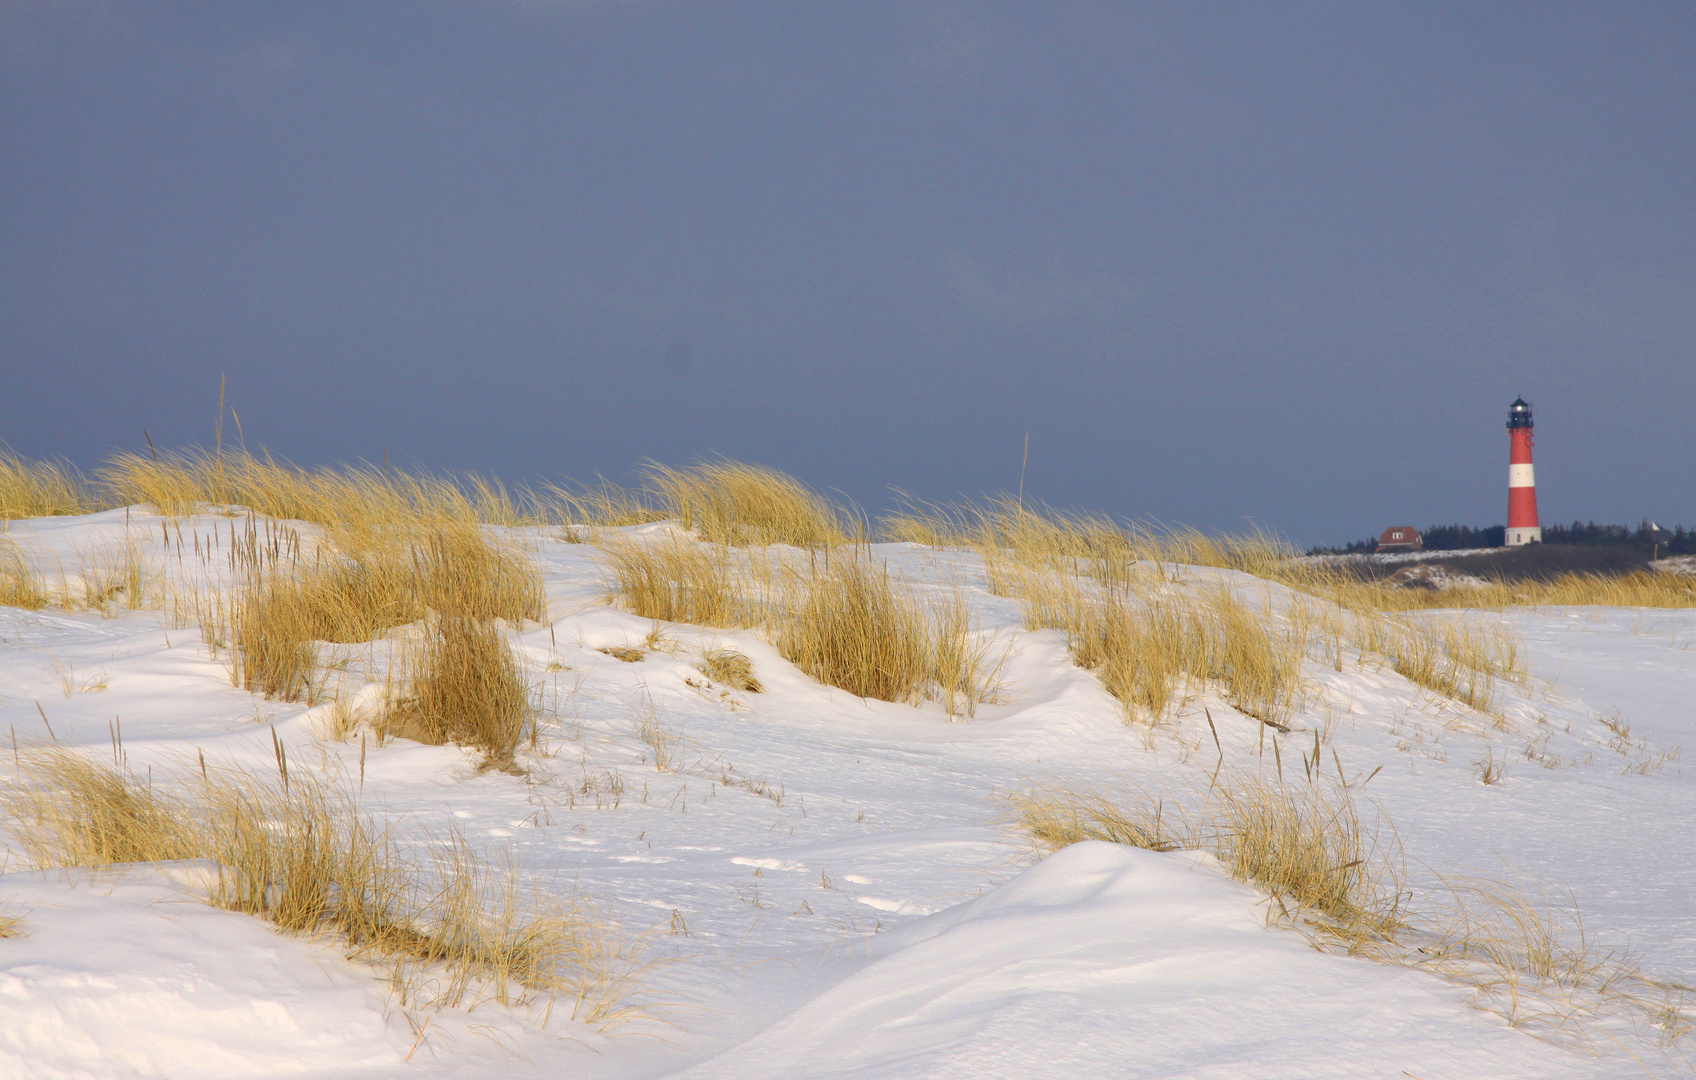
(832, 884)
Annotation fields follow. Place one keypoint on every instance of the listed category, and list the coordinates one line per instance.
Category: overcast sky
(1285, 262)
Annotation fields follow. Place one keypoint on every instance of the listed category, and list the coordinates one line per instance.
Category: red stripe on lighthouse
(1522, 507)
(1519, 446)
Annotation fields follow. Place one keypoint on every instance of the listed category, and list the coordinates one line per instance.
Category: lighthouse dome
(1519, 414)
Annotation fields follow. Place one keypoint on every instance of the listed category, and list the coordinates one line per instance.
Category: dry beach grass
(463, 683)
(1521, 948)
(19, 586)
(446, 925)
(727, 502)
(1302, 842)
(841, 618)
(42, 489)
(734, 503)
(463, 686)
(183, 482)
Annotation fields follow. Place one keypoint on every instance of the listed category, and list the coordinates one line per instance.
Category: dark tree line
(1676, 540)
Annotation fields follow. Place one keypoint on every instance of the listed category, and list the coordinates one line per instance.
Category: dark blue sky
(1283, 262)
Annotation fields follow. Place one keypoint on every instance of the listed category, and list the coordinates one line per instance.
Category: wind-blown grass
(43, 489)
(852, 629)
(676, 579)
(180, 482)
(19, 586)
(1302, 842)
(449, 928)
(840, 619)
(1142, 642)
(1096, 546)
(1524, 951)
(359, 584)
(463, 686)
(585, 509)
(727, 502)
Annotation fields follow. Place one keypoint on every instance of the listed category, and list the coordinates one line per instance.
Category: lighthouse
(1522, 488)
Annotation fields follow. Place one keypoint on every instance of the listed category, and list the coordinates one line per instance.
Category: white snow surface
(853, 901)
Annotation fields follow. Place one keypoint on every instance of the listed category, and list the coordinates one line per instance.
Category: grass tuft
(464, 687)
(675, 579)
(20, 587)
(42, 489)
(853, 630)
(842, 620)
(361, 584)
(1058, 818)
(727, 667)
(848, 625)
(70, 811)
(1142, 642)
(727, 502)
(1451, 658)
(1306, 843)
(1303, 843)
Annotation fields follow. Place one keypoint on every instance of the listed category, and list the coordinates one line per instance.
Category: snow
(831, 884)
(128, 974)
(1106, 961)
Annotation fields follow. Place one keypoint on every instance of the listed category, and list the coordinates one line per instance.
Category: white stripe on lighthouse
(1520, 476)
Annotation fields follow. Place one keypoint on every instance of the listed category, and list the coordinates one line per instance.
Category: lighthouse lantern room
(1522, 487)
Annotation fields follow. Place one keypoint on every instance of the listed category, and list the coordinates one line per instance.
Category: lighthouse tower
(1522, 489)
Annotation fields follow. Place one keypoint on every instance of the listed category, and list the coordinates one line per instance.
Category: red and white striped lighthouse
(1522, 487)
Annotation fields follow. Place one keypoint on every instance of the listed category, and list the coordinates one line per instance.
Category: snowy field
(832, 886)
